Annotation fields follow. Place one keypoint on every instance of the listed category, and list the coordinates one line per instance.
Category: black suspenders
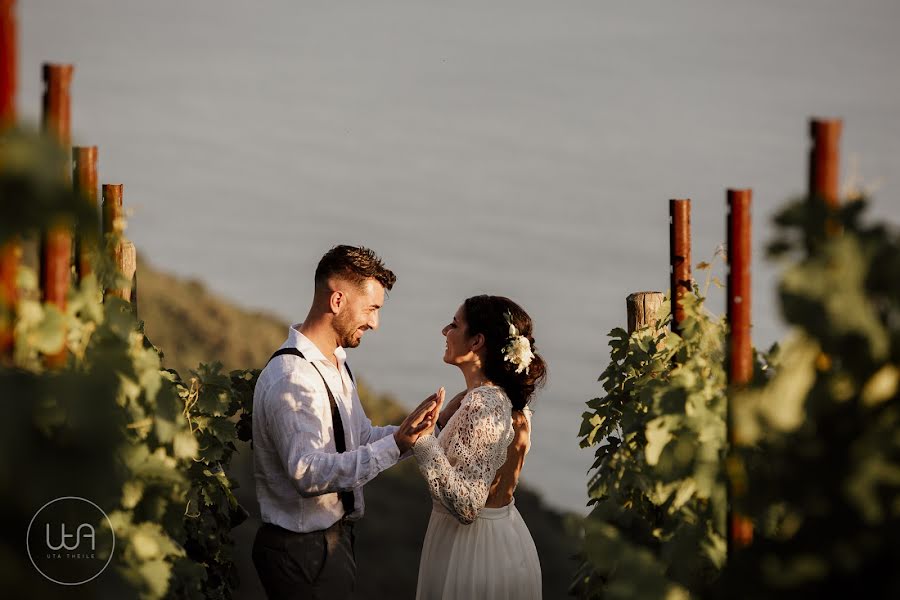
(340, 441)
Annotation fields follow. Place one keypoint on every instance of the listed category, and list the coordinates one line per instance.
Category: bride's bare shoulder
(521, 421)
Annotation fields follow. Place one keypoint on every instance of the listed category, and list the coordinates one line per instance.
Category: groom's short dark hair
(354, 263)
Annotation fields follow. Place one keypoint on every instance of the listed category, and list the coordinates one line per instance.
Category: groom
(314, 447)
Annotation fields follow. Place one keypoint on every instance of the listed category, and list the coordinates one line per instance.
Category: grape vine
(111, 425)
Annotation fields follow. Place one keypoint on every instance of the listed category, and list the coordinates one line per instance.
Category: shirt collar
(309, 349)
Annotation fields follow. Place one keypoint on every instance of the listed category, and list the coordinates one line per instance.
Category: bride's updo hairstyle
(487, 315)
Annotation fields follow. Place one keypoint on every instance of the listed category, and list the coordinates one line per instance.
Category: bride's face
(458, 349)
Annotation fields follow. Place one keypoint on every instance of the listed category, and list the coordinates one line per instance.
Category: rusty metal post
(8, 63)
(56, 118)
(824, 166)
(824, 160)
(740, 358)
(642, 308)
(10, 250)
(679, 258)
(740, 349)
(84, 180)
(56, 245)
(10, 257)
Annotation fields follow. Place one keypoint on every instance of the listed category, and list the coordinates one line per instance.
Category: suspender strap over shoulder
(340, 442)
(296, 352)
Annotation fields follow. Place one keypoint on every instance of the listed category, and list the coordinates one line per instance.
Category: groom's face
(359, 311)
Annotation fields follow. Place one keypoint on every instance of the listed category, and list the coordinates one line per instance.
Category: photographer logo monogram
(70, 540)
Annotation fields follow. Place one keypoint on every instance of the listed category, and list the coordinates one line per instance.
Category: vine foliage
(816, 459)
(111, 425)
(818, 446)
(657, 486)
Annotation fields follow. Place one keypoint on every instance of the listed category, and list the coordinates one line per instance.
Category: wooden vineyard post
(679, 258)
(642, 308)
(56, 115)
(123, 251)
(11, 249)
(8, 63)
(56, 245)
(825, 165)
(740, 349)
(740, 360)
(10, 257)
(84, 180)
(824, 160)
(113, 209)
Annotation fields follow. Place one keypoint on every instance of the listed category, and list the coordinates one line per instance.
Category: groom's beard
(346, 331)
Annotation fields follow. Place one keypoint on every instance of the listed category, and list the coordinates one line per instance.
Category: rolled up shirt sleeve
(299, 419)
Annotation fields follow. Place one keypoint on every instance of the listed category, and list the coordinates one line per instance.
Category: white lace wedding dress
(470, 551)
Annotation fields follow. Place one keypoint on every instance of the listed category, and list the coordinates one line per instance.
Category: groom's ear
(337, 301)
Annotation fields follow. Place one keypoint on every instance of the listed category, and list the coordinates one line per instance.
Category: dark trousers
(315, 565)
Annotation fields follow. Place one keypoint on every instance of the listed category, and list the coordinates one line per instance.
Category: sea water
(511, 147)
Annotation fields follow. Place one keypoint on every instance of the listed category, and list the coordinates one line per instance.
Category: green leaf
(658, 434)
(184, 445)
(48, 334)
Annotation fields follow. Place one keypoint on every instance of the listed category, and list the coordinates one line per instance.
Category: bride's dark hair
(487, 315)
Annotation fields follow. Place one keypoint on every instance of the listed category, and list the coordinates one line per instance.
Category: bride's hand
(450, 409)
(431, 419)
(418, 422)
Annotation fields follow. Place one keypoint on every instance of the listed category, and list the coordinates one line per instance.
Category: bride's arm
(450, 410)
(460, 478)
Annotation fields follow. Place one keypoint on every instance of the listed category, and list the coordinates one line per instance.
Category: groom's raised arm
(298, 417)
(369, 433)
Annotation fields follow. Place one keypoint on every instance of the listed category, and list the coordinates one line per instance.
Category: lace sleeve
(460, 467)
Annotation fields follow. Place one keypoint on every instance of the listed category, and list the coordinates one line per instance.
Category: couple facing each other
(314, 447)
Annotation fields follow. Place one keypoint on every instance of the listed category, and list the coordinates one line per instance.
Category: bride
(477, 545)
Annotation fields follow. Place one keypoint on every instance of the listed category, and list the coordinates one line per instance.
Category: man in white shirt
(309, 477)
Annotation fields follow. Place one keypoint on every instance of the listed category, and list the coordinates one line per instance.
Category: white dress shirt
(297, 468)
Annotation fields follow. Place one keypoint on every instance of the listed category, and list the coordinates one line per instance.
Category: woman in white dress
(477, 545)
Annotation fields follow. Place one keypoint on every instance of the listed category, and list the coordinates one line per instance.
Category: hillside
(193, 325)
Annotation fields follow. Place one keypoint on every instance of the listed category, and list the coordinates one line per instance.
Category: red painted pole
(740, 347)
(10, 256)
(824, 160)
(56, 263)
(56, 117)
(824, 166)
(84, 179)
(8, 63)
(56, 246)
(10, 250)
(679, 258)
(740, 358)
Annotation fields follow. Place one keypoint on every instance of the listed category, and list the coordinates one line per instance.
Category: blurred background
(516, 147)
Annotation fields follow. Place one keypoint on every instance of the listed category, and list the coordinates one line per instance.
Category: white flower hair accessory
(518, 350)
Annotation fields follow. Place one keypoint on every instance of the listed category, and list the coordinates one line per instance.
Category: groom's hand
(419, 421)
